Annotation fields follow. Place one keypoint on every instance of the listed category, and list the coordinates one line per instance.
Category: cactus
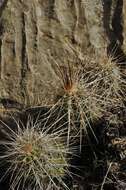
(35, 157)
(110, 80)
(89, 87)
(78, 96)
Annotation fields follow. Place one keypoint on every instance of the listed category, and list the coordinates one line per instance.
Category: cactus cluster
(39, 153)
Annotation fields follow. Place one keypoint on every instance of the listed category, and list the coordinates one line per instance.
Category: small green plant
(34, 157)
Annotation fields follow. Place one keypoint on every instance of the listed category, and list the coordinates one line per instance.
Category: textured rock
(94, 19)
(29, 29)
(124, 22)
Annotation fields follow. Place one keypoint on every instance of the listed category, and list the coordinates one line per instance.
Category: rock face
(29, 29)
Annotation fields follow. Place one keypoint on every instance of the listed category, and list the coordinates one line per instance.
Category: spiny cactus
(89, 87)
(34, 157)
(109, 79)
(81, 102)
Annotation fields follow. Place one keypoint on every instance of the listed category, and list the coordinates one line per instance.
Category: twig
(106, 176)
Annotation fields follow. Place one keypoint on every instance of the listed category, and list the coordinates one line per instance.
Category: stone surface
(124, 22)
(29, 29)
